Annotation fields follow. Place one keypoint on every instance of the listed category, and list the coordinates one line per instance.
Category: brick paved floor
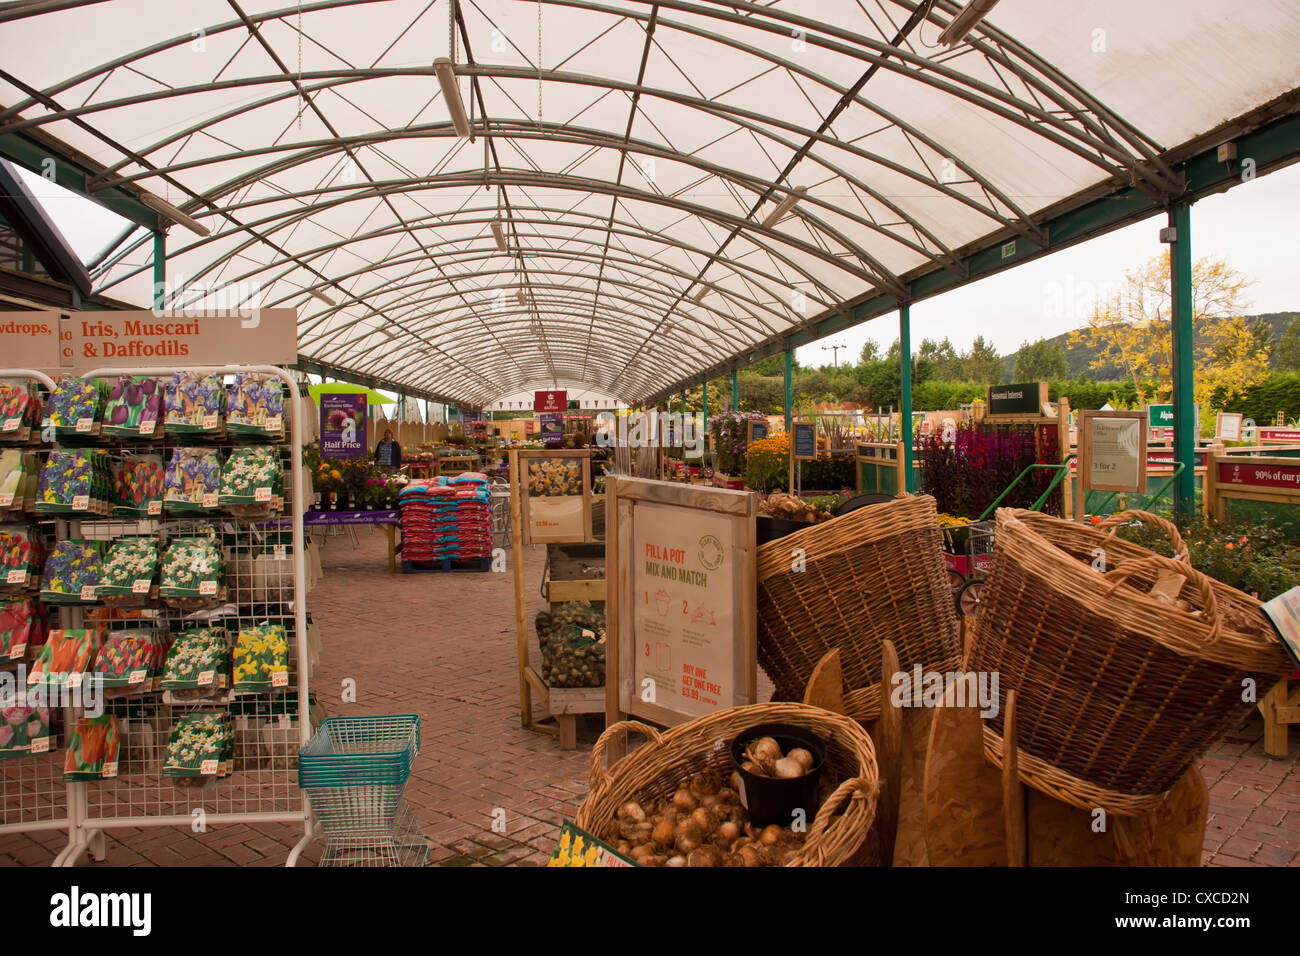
(443, 646)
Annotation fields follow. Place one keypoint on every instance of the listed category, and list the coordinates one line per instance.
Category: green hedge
(1281, 390)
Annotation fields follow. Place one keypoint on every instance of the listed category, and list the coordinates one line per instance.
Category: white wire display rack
(265, 582)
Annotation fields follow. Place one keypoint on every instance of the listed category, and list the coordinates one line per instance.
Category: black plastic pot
(863, 501)
(771, 800)
(769, 529)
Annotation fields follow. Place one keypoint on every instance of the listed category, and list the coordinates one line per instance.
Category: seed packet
(192, 572)
(126, 658)
(72, 572)
(75, 481)
(256, 406)
(127, 574)
(20, 557)
(193, 480)
(138, 486)
(13, 479)
(134, 404)
(198, 665)
(22, 629)
(76, 406)
(200, 745)
(252, 483)
(20, 410)
(25, 730)
(261, 659)
(93, 749)
(64, 658)
(194, 404)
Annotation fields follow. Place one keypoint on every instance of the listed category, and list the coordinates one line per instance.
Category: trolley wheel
(968, 598)
(956, 580)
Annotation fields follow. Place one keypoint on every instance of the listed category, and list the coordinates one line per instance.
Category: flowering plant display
(128, 571)
(134, 406)
(767, 463)
(198, 664)
(76, 405)
(252, 482)
(261, 659)
(200, 745)
(256, 406)
(21, 727)
(138, 486)
(192, 482)
(966, 475)
(64, 657)
(194, 404)
(71, 574)
(22, 629)
(730, 434)
(192, 572)
(93, 749)
(80, 480)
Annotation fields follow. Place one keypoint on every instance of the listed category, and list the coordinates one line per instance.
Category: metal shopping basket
(354, 771)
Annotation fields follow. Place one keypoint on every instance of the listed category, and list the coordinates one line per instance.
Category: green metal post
(1180, 272)
(905, 388)
(789, 389)
(735, 390)
(704, 404)
(159, 267)
(683, 401)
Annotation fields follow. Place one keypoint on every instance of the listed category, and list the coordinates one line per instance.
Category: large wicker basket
(1118, 690)
(656, 769)
(871, 575)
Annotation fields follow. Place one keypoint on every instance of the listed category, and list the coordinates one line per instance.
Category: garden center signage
(1161, 416)
(1024, 398)
(682, 561)
(1113, 451)
(90, 340)
(552, 429)
(30, 339)
(757, 431)
(805, 440)
(343, 425)
(550, 401)
(1249, 472)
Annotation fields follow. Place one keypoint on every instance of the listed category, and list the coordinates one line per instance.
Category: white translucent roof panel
(631, 153)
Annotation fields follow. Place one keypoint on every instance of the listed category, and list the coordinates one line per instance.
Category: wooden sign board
(554, 491)
(1227, 426)
(1113, 451)
(756, 431)
(1017, 400)
(805, 440)
(30, 340)
(142, 338)
(680, 600)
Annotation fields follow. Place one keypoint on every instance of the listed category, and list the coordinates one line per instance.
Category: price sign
(208, 768)
(17, 651)
(16, 576)
(85, 425)
(140, 586)
(110, 769)
(210, 421)
(208, 588)
(206, 678)
(262, 495)
(80, 502)
(279, 678)
(88, 592)
(274, 423)
(11, 424)
(155, 507)
(146, 428)
(137, 677)
(6, 499)
(210, 499)
(41, 745)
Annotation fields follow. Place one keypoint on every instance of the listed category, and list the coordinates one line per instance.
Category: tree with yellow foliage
(1131, 329)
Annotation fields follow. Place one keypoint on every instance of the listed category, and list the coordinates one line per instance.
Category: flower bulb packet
(13, 479)
(200, 745)
(73, 481)
(127, 574)
(76, 405)
(64, 658)
(138, 486)
(134, 407)
(72, 569)
(193, 570)
(21, 554)
(261, 659)
(93, 749)
(20, 410)
(192, 482)
(195, 405)
(25, 731)
(22, 629)
(126, 658)
(252, 482)
(256, 406)
(198, 665)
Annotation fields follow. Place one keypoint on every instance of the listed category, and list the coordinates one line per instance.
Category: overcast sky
(1255, 226)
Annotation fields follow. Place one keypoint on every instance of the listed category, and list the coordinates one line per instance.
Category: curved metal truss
(610, 218)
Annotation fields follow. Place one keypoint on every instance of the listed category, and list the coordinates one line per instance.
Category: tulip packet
(252, 482)
(261, 659)
(76, 406)
(193, 481)
(256, 406)
(195, 405)
(71, 574)
(75, 481)
(127, 575)
(25, 731)
(20, 410)
(64, 658)
(130, 661)
(193, 570)
(138, 486)
(20, 557)
(93, 749)
(14, 464)
(200, 746)
(22, 630)
(134, 407)
(197, 666)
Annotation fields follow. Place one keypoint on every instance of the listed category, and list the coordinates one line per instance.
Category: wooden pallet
(446, 565)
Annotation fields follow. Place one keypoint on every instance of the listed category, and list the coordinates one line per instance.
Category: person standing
(388, 453)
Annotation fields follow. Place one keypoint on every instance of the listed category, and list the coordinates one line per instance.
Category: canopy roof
(632, 151)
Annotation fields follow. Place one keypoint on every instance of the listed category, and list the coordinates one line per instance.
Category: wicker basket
(1118, 690)
(656, 769)
(872, 575)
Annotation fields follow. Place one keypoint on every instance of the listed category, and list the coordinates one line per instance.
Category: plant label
(6, 499)
(155, 508)
(206, 678)
(208, 588)
(85, 425)
(210, 500)
(16, 576)
(88, 592)
(262, 495)
(137, 677)
(11, 424)
(208, 768)
(146, 428)
(110, 770)
(280, 679)
(41, 745)
(140, 586)
(81, 503)
(210, 421)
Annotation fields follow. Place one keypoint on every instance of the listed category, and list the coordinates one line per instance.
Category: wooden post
(521, 624)
(1063, 442)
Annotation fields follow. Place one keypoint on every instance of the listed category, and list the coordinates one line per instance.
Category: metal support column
(789, 389)
(1180, 274)
(735, 390)
(905, 391)
(159, 267)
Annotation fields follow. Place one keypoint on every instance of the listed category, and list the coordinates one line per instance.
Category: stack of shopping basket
(354, 772)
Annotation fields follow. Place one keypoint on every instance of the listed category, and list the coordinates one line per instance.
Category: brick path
(442, 646)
